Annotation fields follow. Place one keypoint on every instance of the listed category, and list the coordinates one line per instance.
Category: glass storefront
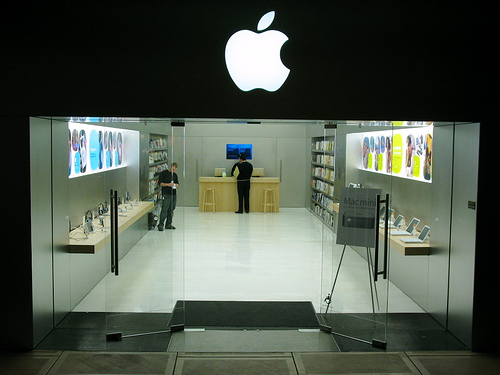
(362, 185)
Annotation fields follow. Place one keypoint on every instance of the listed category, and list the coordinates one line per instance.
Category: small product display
(93, 222)
(402, 224)
(393, 224)
(421, 237)
(408, 235)
(408, 231)
(382, 214)
(88, 222)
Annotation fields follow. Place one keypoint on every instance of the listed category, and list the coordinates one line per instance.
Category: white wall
(278, 147)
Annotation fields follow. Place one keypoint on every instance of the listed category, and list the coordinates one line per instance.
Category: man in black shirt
(169, 183)
(243, 181)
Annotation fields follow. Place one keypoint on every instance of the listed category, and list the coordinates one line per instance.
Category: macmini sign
(358, 220)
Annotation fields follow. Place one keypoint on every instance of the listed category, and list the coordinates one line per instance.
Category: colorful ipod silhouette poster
(428, 158)
(409, 150)
(388, 150)
(402, 152)
(397, 159)
(83, 151)
(74, 152)
(94, 149)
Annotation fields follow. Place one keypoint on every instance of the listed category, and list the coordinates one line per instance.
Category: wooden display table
(227, 194)
(98, 239)
(396, 243)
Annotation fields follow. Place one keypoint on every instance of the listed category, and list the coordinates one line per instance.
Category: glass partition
(126, 276)
(353, 207)
(368, 181)
(145, 286)
(388, 166)
(175, 224)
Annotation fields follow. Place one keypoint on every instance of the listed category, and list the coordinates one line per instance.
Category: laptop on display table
(258, 172)
(393, 225)
(408, 230)
(219, 172)
(381, 213)
(421, 238)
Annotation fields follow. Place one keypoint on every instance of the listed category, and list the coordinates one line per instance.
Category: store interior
(287, 255)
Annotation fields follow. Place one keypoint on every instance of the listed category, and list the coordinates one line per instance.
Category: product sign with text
(357, 217)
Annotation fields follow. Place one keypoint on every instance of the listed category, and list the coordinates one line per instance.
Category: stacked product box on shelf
(325, 173)
(323, 178)
(325, 159)
(326, 216)
(324, 145)
(323, 186)
(323, 200)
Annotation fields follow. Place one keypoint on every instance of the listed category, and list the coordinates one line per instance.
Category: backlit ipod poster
(94, 149)
(403, 152)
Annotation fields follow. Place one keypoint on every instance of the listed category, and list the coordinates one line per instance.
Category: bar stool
(209, 199)
(269, 200)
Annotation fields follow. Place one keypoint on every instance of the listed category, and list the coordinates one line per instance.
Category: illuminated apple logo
(253, 59)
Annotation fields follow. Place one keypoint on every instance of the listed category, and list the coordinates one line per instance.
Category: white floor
(289, 256)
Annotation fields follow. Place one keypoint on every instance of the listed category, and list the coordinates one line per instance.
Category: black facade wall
(486, 324)
(16, 314)
(349, 60)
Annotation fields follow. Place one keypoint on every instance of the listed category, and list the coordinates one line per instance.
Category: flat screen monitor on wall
(234, 149)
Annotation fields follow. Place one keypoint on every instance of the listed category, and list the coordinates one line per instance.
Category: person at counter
(243, 176)
(169, 183)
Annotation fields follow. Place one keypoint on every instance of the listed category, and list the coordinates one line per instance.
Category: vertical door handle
(377, 236)
(113, 195)
(386, 238)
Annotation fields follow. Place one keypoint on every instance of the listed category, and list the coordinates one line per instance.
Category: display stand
(373, 286)
(373, 264)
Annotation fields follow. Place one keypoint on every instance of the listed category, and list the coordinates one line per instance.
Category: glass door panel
(177, 233)
(145, 264)
(355, 261)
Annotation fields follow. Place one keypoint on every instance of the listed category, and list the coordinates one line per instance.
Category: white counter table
(227, 195)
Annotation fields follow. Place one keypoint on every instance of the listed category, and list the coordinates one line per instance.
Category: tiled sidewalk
(107, 363)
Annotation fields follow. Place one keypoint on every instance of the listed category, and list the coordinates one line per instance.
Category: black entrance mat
(245, 314)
